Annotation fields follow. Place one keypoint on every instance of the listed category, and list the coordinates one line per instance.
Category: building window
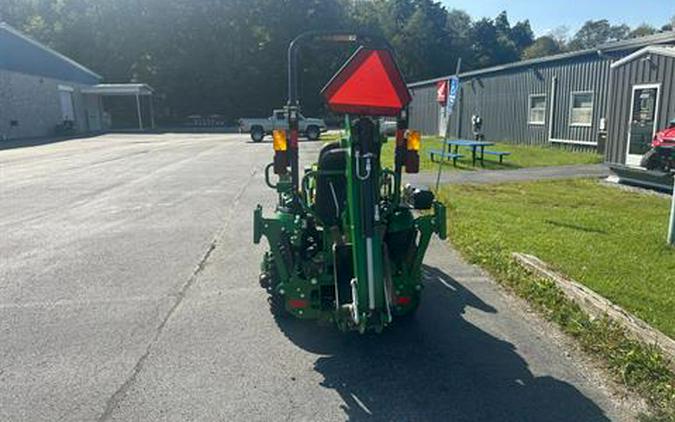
(581, 109)
(537, 110)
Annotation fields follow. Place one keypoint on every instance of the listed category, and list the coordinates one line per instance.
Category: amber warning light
(279, 140)
(414, 140)
(370, 83)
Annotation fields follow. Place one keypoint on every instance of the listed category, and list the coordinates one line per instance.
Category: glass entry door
(642, 123)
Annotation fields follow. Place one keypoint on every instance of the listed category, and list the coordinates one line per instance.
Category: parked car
(662, 154)
(258, 128)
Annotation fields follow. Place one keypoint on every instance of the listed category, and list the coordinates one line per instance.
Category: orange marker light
(279, 140)
(414, 140)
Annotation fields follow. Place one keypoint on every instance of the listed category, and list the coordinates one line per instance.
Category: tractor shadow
(436, 366)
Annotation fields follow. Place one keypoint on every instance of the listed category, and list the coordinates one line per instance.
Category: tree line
(228, 57)
(590, 35)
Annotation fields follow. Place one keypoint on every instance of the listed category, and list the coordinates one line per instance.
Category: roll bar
(293, 104)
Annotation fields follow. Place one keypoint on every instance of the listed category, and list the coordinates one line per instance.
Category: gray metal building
(577, 99)
(41, 89)
(642, 93)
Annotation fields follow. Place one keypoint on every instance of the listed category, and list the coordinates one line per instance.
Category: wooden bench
(501, 154)
(447, 155)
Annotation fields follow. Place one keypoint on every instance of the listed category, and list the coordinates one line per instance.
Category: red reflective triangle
(369, 83)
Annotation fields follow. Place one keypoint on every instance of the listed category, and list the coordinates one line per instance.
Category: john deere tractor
(346, 241)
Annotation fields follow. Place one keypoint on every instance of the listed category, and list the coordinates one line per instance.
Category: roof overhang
(15, 32)
(652, 49)
(112, 90)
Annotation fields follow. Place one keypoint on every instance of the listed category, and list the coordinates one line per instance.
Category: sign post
(453, 91)
(671, 226)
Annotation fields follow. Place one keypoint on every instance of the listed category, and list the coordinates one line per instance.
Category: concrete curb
(598, 306)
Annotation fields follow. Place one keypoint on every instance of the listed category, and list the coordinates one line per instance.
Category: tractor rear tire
(257, 133)
(277, 305)
(269, 280)
(313, 133)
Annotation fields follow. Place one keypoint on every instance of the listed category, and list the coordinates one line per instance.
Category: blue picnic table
(474, 145)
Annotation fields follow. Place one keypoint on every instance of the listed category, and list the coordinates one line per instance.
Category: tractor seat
(331, 190)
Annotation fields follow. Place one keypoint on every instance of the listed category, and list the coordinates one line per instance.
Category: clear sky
(546, 15)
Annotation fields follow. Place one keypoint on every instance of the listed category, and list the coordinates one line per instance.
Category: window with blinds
(537, 110)
(581, 109)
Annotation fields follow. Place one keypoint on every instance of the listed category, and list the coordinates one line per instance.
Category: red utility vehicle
(662, 154)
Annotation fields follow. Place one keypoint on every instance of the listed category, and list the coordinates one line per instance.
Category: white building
(43, 93)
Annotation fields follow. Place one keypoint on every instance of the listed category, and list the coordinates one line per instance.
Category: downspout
(551, 114)
(460, 100)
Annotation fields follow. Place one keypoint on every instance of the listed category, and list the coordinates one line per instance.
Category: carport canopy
(126, 90)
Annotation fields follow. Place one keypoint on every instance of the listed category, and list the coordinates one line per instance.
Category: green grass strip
(522, 156)
(482, 239)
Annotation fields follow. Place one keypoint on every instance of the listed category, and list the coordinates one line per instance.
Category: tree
(426, 37)
(642, 31)
(561, 35)
(228, 57)
(670, 26)
(459, 30)
(496, 42)
(543, 46)
(595, 33)
(522, 35)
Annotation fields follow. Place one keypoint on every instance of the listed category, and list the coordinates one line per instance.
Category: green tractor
(346, 242)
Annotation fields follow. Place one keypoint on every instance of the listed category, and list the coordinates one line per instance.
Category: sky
(547, 15)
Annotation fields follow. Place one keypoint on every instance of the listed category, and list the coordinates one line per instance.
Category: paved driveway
(128, 291)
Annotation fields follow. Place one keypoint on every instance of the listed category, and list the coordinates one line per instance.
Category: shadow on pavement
(436, 366)
(34, 142)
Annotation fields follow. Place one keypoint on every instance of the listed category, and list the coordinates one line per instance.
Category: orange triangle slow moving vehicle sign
(369, 83)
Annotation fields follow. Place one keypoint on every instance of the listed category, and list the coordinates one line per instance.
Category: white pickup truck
(258, 128)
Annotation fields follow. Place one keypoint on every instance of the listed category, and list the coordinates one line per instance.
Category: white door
(643, 121)
(67, 107)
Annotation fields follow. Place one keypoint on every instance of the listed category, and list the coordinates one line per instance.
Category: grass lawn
(611, 240)
(521, 156)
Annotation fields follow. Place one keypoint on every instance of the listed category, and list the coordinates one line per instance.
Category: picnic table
(474, 145)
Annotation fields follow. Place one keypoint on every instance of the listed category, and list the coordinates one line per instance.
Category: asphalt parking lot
(128, 291)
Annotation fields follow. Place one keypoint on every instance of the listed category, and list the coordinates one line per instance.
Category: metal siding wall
(424, 110)
(502, 100)
(624, 77)
(585, 74)
(621, 89)
(667, 108)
